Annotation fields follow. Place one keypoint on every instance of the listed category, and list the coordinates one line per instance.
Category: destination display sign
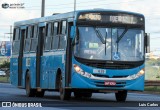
(112, 18)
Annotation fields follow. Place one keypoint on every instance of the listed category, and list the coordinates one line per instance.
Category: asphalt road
(9, 93)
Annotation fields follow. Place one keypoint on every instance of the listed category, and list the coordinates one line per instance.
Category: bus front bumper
(81, 82)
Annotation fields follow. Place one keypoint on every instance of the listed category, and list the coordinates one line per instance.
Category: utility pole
(43, 8)
(74, 7)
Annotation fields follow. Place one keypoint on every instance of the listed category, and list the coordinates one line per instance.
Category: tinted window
(34, 44)
(55, 39)
(55, 28)
(63, 27)
(48, 38)
(16, 37)
(23, 33)
(28, 40)
(16, 45)
(49, 29)
(32, 32)
(62, 36)
(34, 40)
(16, 42)
(27, 45)
(14, 34)
(35, 31)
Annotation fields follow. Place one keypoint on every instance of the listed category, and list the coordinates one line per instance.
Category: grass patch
(4, 79)
(153, 89)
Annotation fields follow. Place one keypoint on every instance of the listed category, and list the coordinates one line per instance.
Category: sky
(32, 9)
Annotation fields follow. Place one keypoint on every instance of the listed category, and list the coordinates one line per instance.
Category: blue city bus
(84, 52)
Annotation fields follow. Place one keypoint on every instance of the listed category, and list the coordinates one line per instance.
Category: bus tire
(87, 95)
(77, 95)
(121, 96)
(65, 94)
(29, 91)
(40, 94)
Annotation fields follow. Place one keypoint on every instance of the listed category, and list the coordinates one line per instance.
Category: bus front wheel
(121, 96)
(29, 91)
(65, 94)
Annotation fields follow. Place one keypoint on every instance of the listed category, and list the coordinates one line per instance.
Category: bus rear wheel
(87, 95)
(77, 94)
(40, 94)
(121, 96)
(65, 94)
(29, 91)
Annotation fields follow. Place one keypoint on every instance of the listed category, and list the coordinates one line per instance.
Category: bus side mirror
(72, 32)
(147, 42)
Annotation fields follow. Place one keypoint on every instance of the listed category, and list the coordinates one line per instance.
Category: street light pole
(74, 5)
(43, 8)
(74, 8)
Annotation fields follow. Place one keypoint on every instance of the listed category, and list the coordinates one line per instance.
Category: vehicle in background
(2, 73)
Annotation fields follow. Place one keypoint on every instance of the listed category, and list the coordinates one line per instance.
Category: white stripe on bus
(44, 54)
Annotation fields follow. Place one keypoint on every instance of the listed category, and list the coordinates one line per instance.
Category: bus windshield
(113, 44)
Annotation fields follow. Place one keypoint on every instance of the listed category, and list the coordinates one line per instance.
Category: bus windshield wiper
(105, 40)
(99, 35)
(122, 35)
(76, 39)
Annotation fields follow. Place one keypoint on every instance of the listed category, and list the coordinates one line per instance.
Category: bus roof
(68, 15)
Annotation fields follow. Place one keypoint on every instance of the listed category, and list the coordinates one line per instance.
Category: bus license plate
(110, 83)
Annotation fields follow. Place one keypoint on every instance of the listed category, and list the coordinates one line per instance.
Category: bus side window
(28, 40)
(55, 39)
(17, 34)
(16, 42)
(47, 40)
(32, 32)
(35, 31)
(63, 27)
(23, 35)
(63, 38)
(34, 40)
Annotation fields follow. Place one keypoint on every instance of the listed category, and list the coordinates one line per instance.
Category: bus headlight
(140, 73)
(81, 72)
(77, 68)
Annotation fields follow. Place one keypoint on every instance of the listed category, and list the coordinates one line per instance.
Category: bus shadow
(73, 99)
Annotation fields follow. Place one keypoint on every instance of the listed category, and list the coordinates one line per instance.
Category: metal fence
(152, 83)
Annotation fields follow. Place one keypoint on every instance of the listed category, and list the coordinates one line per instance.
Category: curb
(146, 92)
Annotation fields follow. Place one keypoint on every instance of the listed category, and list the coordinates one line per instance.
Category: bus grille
(110, 66)
(106, 76)
(100, 75)
(120, 76)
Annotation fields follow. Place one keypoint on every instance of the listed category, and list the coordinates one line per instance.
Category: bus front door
(68, 63)
(20, 57)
